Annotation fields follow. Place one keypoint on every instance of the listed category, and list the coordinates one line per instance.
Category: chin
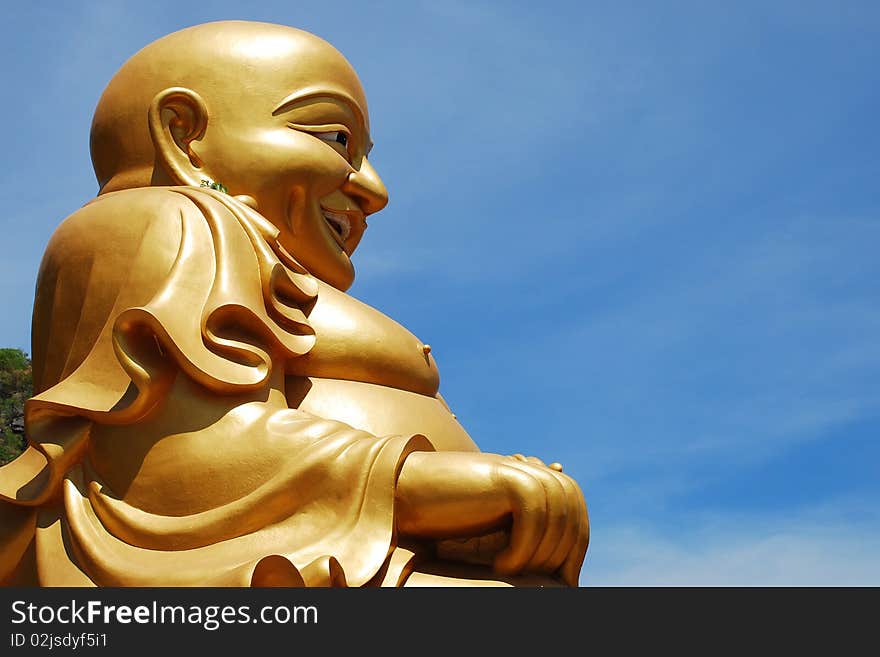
(341, 278)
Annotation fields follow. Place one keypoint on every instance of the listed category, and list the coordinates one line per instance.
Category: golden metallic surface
(211, 408)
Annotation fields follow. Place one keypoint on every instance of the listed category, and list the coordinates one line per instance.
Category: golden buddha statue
(211, 408)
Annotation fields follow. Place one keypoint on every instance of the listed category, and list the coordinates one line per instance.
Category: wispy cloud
(810, 549)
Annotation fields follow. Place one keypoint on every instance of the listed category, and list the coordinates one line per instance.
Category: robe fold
(138, 289)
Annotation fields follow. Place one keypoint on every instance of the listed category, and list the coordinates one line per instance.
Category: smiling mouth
(340, 223)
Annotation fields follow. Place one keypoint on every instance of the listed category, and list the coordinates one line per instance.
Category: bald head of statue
(275, 115)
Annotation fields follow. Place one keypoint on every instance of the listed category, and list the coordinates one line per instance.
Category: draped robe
(149, 300)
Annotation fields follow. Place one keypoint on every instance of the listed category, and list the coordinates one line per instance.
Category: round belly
(379, 410)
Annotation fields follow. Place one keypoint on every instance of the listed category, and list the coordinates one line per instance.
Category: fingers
(567, 534)
(574, 517)
(531, 459)
(571, 569)
(556, 523)
(556, 465)
(550, 529)
(529, 522)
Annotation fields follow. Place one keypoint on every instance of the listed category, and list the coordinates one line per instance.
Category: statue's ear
(178, 117)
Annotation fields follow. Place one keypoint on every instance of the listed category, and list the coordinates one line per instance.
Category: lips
(338, 222)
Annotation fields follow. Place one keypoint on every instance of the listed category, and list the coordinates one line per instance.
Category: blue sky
(641, 238)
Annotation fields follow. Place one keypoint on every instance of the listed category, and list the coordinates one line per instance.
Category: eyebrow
(308, 94)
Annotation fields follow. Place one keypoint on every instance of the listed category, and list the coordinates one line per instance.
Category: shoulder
(130, 238)
(114, 220)
(119, 225)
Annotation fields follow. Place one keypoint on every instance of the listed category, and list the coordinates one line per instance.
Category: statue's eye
(336, 136)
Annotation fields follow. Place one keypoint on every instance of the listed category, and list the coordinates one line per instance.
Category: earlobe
(177, 118)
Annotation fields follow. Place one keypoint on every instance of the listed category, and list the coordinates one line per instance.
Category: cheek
(277, 165)
(301, 162)
(326, 172)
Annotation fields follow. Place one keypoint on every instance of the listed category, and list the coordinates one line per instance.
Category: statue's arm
(457, 494)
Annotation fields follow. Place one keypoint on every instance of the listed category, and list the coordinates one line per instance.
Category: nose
(367, 187)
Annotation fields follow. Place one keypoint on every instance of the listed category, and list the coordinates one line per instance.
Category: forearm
(449, 494)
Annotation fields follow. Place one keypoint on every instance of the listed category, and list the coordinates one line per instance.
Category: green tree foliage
(15, 388)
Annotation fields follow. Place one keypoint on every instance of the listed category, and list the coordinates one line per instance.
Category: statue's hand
(550, 528)
(462, 494)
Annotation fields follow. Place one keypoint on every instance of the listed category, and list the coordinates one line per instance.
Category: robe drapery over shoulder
(140, 288)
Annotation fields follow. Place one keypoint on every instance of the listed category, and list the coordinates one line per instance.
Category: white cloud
(812, 550)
